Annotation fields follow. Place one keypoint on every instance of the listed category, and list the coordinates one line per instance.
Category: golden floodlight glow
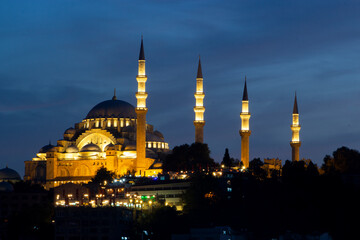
(199, 108)
(141, 110)
(295, 142)
(245, 128)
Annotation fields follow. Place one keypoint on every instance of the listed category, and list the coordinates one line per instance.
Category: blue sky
(60, 58)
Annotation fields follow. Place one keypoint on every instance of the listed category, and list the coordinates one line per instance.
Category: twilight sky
(60, 58)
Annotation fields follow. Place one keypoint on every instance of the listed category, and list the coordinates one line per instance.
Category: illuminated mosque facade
(115, 135)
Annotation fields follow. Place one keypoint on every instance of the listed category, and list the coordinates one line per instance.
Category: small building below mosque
(106, 137)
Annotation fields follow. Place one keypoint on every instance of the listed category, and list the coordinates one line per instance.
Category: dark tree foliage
(227, 161)
(200, 156)
(160, 223)
(189, 158)
(102, 175)
(178, 159)
(302, 202)
(298, 172)
(203, 200)
(343, 161)
(255, 169)
(328, 165)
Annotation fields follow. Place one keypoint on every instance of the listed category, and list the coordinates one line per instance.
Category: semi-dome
(8, 174)
(112, 109)
(91, 147)
(72, 149)
(46, 148)
(153, 138)
(110, 147)
(159, 134)
(70, 131)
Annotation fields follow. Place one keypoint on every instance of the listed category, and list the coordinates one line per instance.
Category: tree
(103, 176)
(328, 166)
(178, 159)
(160, 223)
(188, 158)
(344, 160)
(227, 161)
(255, 168)
(312, 170)
(199, 154)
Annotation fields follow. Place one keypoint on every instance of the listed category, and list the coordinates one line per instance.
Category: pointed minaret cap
(245, 94)
(295, 110)
(142, 54)
(114, 97)
(199, 72)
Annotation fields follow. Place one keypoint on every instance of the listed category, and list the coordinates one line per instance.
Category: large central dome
(112, 109)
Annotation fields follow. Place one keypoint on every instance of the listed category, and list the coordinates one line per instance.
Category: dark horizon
(62, 58)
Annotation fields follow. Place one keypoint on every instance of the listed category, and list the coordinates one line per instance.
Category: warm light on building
(114, 134)
(199, 108)
(245, 128)
(295, 129)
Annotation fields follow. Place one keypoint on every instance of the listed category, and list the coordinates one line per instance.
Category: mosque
(115, 135)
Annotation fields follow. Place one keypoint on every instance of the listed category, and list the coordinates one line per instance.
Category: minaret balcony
(141, 95)
(198, 109)
(245, 115)
(199, 122)
(141, 109)
(200, 95)
(141, 78)
(295, 128)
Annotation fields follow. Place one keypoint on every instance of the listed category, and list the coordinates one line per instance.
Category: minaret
(199, 108)
(141, 110)
(295, 128)
(245, 128)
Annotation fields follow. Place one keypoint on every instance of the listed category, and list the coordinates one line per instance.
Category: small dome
(156, 165)
(112, 109)
(159, 134)
(72, 149)
(70, 131)
(110, 147)
(46, 148)
(6, 187)
(8, 174)
(153, 138)
(91, 147)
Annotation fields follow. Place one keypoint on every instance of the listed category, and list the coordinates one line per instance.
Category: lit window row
(109, 122)
(160, 145)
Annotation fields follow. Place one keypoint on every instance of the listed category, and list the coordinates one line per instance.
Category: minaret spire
(141, 110)
(199, 72)
(245, 94)
(199, 108)
(295, 142)
(295, 109)
(142, 54)
(245, 128)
